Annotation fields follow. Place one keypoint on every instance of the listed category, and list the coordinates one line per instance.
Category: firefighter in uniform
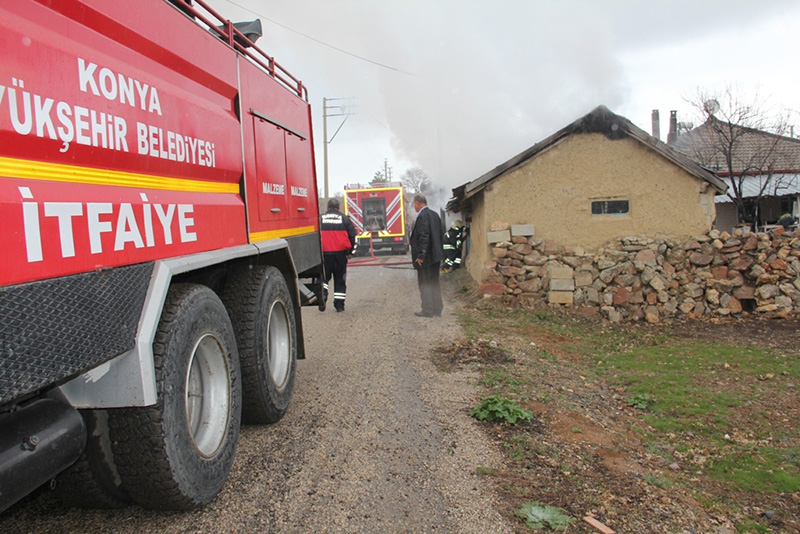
(451, 243)
(338, 243)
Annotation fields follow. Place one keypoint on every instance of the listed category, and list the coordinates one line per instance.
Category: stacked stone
(638, 278)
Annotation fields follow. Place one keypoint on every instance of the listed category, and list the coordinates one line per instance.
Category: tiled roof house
(764, 165)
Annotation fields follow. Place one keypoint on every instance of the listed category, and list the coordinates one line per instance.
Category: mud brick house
(594, 181)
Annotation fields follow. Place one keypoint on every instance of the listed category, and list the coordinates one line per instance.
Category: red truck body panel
(155, 167)
(279, 159)
(118, 146)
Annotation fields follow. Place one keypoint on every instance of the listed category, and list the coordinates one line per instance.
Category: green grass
(659, 482)
(688, 393)
(758, 469)
(748, 525)
(499, 377)
(494, 377)
(698, 389)
(708, 406)
(486, 471)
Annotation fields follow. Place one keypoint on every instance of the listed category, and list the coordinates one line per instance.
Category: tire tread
(241, 297)
(139, 435)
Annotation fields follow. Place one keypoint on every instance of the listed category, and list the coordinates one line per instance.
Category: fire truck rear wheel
(266, 333)
(93, 481)
(176, 454)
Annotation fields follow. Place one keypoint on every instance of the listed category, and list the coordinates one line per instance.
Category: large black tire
(176, 454)
(93, 481)
(266, 333)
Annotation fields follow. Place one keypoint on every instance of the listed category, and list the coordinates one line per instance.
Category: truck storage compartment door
(300, 176)
(352, 209)
(270, 152)
(374, 210)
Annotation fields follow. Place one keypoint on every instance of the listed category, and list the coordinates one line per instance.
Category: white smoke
(470, 84)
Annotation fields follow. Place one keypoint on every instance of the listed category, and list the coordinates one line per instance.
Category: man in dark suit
(426, 255)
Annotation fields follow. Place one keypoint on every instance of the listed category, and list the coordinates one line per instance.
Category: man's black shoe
(423, 314)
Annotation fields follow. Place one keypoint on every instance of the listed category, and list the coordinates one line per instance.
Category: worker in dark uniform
(338, 243)
(451, 245)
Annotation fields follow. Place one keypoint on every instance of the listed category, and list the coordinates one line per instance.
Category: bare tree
(744, 144)
(415, 180)
(379, 178)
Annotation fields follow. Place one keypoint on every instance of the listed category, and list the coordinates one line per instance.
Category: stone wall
(636, 278)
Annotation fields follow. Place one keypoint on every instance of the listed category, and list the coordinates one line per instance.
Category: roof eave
(600, 120)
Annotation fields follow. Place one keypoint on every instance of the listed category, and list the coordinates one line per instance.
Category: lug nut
(30, 442)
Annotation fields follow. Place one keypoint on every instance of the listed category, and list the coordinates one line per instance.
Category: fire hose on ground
(374, 261)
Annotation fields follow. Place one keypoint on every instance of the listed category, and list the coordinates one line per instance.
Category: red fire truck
(160, 231)
(378, 213)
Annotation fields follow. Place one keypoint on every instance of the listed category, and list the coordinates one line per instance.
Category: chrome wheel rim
(208, 395)
(279, 344)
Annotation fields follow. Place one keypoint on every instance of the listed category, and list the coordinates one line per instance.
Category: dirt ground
(587, 457)
(378, 438)
(375, 440)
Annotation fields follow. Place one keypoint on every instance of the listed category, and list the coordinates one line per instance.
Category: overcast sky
(457, 87)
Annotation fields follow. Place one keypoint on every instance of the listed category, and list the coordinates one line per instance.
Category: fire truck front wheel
(176, 454)
(266, 333)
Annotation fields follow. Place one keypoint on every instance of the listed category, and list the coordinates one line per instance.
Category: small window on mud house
(610, 207)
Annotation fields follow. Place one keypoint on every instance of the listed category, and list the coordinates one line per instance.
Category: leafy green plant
(496, 408)
(538, 516)
(641, 400)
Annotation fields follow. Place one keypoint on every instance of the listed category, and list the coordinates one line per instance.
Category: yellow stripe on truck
(56, 172)
(367, 234)
(275, 234)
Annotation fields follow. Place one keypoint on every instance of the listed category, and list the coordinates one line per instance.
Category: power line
(362, 58)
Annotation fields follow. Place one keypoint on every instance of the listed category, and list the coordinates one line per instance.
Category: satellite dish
(711, 106)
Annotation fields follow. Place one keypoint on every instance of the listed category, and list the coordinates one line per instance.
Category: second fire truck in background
(378, 213)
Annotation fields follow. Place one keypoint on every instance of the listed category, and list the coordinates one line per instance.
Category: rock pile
(639, 278)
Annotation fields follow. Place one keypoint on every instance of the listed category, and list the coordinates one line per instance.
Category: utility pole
(387, 171)
(344, 113)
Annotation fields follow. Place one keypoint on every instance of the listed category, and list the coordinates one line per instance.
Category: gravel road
(376, 440)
